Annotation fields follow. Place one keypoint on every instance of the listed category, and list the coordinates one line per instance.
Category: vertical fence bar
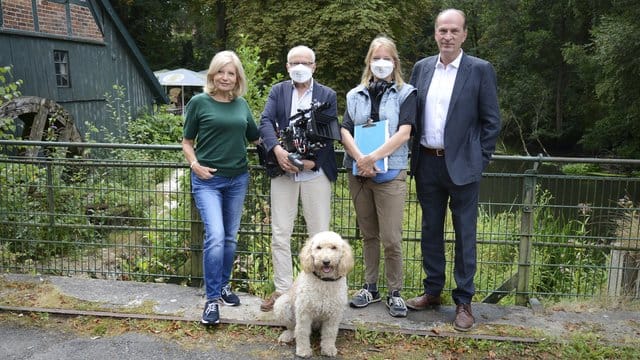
(50, 197)
(526, 231)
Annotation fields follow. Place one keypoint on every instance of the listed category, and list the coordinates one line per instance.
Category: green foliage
(580, 169)
(497, 252)
(565, 255)
(615, 49)
(257, 73)
(8, 91)
(106, 197)
(567, 70)
(321, 25)
(582, 346)
(159, 28)
(542, 99)
(28, 199)
(117, 105)
(159, 127)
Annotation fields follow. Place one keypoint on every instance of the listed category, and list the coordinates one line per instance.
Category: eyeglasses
(305, 63)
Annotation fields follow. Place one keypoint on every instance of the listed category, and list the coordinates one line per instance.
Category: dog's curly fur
(318, 297)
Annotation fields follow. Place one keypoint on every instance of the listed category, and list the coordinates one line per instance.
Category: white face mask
(382, 68)
(300, 73)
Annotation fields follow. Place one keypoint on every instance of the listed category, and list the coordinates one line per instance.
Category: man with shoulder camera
(304, 179)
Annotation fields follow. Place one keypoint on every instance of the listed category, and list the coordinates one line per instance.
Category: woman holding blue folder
(378, 159)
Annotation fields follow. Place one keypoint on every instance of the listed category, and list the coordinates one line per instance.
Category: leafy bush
(580, 169)
(28, 200)
(564, 255)
(160, 127)
(8, 91)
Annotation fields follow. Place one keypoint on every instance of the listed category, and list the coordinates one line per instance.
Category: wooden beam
(502, 291)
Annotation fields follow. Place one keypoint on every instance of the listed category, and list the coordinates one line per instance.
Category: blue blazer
(473, 120)
(278, 110)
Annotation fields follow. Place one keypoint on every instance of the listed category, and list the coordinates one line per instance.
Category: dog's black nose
(326, 262)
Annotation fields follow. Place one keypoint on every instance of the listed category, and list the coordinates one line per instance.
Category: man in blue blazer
(311, 184)
(457, 128)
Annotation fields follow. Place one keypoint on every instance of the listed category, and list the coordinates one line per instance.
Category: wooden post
(37, 127)
(197, 231)
(526, 232)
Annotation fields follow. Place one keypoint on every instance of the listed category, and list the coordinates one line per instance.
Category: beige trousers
(315, 195)
(379, 211)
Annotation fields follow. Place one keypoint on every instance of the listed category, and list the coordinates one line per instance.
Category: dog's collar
(326, 279)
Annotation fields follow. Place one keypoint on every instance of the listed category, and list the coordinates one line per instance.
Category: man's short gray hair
(301, 49)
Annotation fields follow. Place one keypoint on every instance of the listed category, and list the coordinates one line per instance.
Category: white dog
(318, 297)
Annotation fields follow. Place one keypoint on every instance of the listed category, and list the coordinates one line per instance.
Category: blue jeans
(220, 201)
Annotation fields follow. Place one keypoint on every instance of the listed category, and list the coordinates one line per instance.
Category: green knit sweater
(219, 130)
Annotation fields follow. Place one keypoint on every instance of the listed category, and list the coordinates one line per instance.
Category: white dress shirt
(437, 103)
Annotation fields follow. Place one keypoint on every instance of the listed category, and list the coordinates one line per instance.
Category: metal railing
(541, 233)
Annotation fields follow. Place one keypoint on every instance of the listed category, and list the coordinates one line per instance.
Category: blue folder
(369, 137)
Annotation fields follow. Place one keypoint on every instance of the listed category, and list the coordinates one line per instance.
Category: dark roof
(159, 92)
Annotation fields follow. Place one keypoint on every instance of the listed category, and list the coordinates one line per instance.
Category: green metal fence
(541, 233)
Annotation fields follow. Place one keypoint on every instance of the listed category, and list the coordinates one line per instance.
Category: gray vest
(359, 108)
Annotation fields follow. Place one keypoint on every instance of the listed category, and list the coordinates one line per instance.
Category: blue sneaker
(211, 313)
(228, 297)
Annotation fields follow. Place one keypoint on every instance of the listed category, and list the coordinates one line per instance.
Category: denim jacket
(359, 108)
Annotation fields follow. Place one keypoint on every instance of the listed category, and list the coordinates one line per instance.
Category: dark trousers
(435, 190)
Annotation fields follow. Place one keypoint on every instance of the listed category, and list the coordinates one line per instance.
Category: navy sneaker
(228, 297)
(211, 313)
(364, 297)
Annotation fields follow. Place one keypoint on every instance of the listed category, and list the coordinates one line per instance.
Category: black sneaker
(396, 305)
(228, 297)
(211, 313)
(364, 297)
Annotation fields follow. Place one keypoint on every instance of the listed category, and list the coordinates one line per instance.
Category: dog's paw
(286, 337)
(329, 351)
(303, 353)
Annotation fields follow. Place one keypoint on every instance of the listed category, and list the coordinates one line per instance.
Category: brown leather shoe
(424, 301)
(267, 305)
(464, 318)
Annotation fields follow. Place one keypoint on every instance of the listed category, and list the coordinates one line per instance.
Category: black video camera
(308, 132)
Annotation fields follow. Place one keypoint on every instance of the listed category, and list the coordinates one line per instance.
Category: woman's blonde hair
(382, 41)
(219, 61)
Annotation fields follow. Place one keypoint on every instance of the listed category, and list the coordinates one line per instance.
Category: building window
(61, 60)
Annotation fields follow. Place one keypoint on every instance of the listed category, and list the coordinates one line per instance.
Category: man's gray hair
(301, 49)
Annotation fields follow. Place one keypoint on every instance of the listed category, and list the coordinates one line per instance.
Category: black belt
(432, 152)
